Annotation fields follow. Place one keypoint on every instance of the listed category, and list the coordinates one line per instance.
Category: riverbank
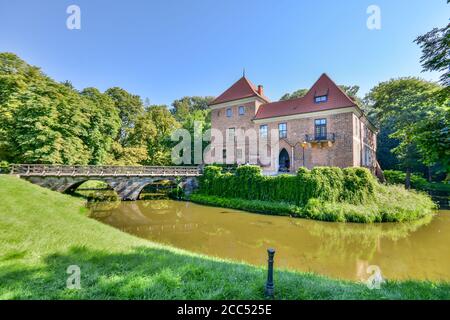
(44, 232)
(324, 193)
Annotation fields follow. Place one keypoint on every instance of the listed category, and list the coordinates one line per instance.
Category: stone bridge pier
(127, 181)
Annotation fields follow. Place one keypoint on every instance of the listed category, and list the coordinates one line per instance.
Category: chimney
(260, 90)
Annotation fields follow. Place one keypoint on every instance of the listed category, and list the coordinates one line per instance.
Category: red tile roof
(242, 88)
(323, 86)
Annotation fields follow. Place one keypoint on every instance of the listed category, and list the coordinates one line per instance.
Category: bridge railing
(65, 170)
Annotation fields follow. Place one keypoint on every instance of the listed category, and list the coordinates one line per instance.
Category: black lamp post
(304, 157)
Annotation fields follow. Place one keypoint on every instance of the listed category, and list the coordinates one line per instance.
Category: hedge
(399, 177)
(331, 184)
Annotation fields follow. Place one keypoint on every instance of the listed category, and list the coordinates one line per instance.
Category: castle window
(241, 110)
(320, 129)
(282, 129)
(320, 99)
(263, 131)
(239, 154)
(231, 134)
(229, 113)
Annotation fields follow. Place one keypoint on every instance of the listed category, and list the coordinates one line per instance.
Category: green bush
(4, 167)
(273, 208)
(176, 193)
(390, 204)
(354, 185)
(399, 177)
(324, 193)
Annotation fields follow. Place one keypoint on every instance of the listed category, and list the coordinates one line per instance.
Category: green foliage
(294, 95)
(129, 107)
(103, 123)
(389, 204)
(158, 145)
(40, 120)
(398, 177)
(183, 108)
(351, 91)
(432, 135)
(176, 193)
(435, 46)
(395, 177)
(43, 121)
(354, 185)
(50, 231)
(324, 193)
(4, 167)
(414, 112)
(266, 207)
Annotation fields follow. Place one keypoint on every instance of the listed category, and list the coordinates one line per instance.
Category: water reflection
(418, 250)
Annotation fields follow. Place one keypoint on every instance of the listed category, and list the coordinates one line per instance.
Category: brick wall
(345, 151)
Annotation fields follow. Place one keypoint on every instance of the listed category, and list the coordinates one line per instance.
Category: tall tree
(351, 91)
(181, 108)
(435, 46)
(294, 95)
(39, 118)
(103, 124)
(400, 104)
(432, 135)
(130, 107)
(159, 144)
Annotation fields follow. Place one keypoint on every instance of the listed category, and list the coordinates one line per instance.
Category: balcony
(325, 139)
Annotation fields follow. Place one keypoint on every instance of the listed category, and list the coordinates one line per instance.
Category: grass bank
(44, 232)
(324, 193)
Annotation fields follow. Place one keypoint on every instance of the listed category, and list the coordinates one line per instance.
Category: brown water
(417, 250)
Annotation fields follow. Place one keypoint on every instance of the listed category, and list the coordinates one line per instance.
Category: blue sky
(164, 50)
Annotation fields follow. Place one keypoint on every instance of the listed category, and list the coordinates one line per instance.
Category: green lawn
(44, 232)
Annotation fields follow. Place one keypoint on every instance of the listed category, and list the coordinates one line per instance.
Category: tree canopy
(435, 46)
(408, 111)
(43, 121)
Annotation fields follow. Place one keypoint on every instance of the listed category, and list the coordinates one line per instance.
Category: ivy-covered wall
(351, 185)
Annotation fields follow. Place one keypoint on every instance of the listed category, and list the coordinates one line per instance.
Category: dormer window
(320, 99)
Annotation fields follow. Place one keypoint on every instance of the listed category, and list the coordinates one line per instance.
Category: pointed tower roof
(336, 98)
(241, 89)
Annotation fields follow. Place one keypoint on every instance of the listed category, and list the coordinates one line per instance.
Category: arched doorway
(283, 161)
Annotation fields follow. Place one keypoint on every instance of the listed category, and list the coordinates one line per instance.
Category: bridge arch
(106, 193)
(174, 180)
(73, 187)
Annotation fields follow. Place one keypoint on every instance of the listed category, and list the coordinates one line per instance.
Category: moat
(414, 250)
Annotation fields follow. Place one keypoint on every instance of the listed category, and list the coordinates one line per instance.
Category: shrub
(333, 184)
(176, 193)
(399, 177)
(283, 209)
(4, 167)
(324, 193)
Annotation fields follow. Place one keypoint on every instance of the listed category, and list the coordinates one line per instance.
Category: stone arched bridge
(127, 181)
